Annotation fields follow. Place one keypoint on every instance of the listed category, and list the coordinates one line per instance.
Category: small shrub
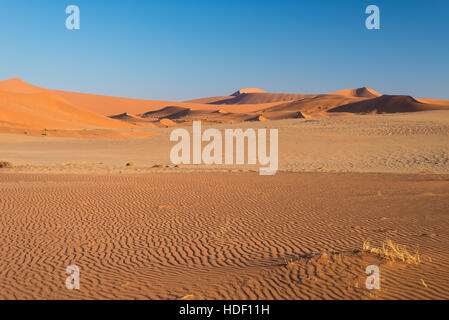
(393, 252)
(5, 164)
(158, 166)
(130, 164)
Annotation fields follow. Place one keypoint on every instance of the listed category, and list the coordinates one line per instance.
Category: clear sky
(179, 50)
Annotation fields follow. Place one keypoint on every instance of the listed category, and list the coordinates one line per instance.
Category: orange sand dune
(133, 119)
(258, 98)
(186, 115)
(434, 101)
(24, 106)
(315, 106)
(388, 104)
(210, 100)
(108, 106)
(248, 90)
(17, 85)
(251, 96)
(359, 92)
(167, 112)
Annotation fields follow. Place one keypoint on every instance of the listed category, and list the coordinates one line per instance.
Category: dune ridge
(28, 108)
(363, 92)
(388, 104)
(39, 110)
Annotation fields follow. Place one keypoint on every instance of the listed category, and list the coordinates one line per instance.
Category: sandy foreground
(221, 236)
(215, 232)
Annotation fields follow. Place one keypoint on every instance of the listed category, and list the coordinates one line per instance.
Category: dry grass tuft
(393, 252)
(5, 164)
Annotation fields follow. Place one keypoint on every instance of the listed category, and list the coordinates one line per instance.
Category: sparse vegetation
(130, 164)
(158, 166)
(45, 132)
(5, 164)
(393, 252)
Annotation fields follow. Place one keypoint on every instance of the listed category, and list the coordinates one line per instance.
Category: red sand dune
(363, 92)
(316, 106)
(251, 96)
(108, 106)
(167, 112)
(434, 101)
(17, 85)
(210, 100)
(388, 104)
(257, 98)
(25, 106)
(248, 90)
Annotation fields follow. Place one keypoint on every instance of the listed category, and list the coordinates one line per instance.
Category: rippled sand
(221, 236)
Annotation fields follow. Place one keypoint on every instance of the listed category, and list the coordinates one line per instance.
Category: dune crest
(248, 90)
(363, 92)
(45, 110)
(388, 104)
(26, 107)
(17, 85)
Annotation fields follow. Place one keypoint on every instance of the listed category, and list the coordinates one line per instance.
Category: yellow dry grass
(5, 164)
(393, 252)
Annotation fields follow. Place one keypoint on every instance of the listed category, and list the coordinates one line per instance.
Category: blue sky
(178, 50)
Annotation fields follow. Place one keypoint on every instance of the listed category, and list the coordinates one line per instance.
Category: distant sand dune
(359, 92)
(388, 104)
(315, 106)
(135, 120)
(251, 96)
(17, 85)
(168, 112)
(258, 98)
(27, 108)
(435, 101)
(248, 90)
(39, 110)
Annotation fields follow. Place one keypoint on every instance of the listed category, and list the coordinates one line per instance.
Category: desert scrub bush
(130, 164)
(393, 252)
(5, 164)
(158, 166)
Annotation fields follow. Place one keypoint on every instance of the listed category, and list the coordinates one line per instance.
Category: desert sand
(396, 143)
(91, 184)
(221, 236)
